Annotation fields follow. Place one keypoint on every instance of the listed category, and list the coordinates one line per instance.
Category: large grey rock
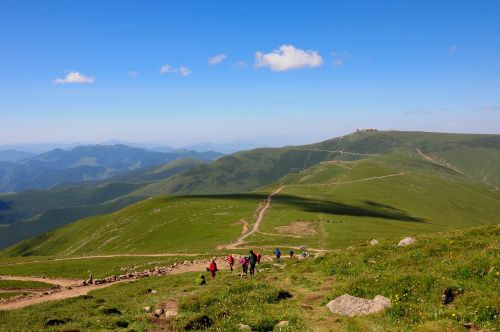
(406, 241)
(354, 306)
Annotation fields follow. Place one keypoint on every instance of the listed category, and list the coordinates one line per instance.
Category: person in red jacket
(259, 257)
(230, 260)
(213, 268)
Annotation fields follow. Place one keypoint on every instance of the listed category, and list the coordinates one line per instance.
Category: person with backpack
(277, 252)
(244, 264)
(252, 259)
(213, 268)
(230, 260)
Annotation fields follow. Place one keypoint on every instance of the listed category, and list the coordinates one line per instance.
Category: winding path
(55, 281)
(261, 211)
(350, 181)
(73, 290)
(106, 256)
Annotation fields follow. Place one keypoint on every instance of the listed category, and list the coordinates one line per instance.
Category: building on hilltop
(367, 129)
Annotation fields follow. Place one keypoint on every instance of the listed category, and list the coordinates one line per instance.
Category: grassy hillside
(443, 172)
(414, 277)
(326, 206)
(31, 213)
(477, 156)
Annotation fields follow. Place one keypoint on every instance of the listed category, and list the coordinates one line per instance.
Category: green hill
(477, 156)
(448, 180)
(329, 205)
(30, 213)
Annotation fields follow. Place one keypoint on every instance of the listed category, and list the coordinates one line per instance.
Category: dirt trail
(55, 281)
(351, 181)
(81, 290)
(437, 162)
(338, 151)
(261, 210)
(106, 256)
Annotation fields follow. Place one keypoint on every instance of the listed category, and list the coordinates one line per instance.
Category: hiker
(291, 253)
(277, 252)
(244, 264)
(201, 280)
(213, 268)
(252, 259)
(259, 257)
(230, 260)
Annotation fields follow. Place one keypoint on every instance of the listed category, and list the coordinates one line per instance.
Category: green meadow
(297, 290)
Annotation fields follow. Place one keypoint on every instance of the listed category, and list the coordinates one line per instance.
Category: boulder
(354, 306)
(406, 241)
(374, 242)
(158, 312)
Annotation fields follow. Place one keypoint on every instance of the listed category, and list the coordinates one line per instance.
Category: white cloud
(216, 59)
(288, 57)
(184, 71)
(167, 69)
(74, 77)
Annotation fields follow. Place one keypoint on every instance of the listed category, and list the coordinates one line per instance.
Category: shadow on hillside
(366, 209)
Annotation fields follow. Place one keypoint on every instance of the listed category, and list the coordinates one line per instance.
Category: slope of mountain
(84, 163)
(433, 157)
(33, 212)
(477, 156)
(14, 155)
(325, 206)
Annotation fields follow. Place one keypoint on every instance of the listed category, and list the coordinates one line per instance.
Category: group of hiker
(249, 262)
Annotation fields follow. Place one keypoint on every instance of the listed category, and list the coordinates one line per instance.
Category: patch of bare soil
(297, 228)
(168, 309)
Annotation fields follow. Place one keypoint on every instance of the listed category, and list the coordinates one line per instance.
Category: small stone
(244, 327)
(283, 323)
(147, 309)
(447, 296)
(406, 241)
(154, 291)
(470, 326)
(374, 242)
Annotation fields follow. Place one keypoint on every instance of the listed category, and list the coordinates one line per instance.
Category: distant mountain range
(474, 159)
(355, 187)
(14, 155)
(22, 171)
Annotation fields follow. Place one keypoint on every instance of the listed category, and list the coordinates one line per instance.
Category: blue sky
(269, 72)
